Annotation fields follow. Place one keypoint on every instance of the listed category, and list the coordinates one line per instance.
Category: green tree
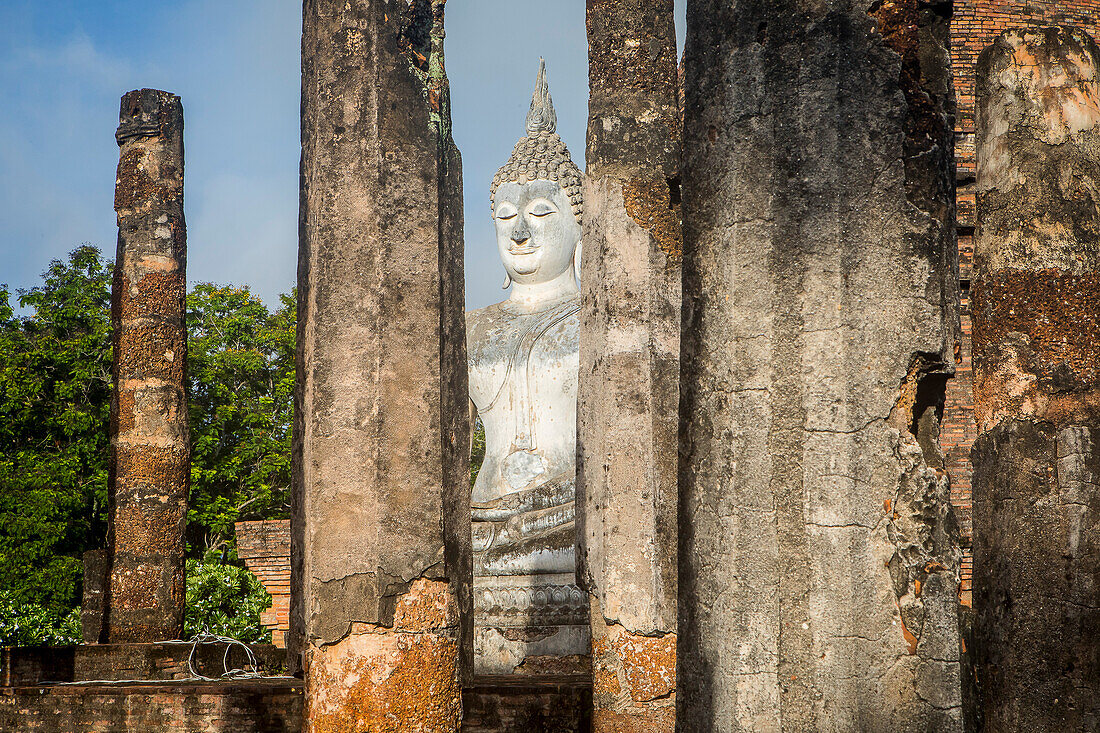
(29, 624)
(55, 389)
(241, 365)
(55, 385)
(225, 599)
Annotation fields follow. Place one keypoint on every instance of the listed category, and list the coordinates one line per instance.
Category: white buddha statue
(523, 364)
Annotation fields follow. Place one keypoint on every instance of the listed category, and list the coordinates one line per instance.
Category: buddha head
(537, 200)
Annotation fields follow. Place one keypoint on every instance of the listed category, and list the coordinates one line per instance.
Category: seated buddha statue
(523, 364)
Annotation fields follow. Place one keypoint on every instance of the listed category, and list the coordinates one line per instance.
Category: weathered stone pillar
(150, 458)
(629, 374)
(93, 603)
(818, 552)
(381, 521)
(1037, 382)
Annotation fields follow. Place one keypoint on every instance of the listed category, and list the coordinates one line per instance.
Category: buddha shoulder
(484, 324)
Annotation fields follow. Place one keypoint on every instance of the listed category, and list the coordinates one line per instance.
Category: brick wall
(253, 706)
(265, 549)
(974, 26)
(270, 705)
(26, 666)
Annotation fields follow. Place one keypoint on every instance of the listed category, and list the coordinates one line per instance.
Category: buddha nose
(521, 233)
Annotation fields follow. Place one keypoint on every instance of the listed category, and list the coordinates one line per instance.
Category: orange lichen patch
(1036, 345)
(428, 605)
(633, 680)
(158, 294)
(910, 639)
(152, 351)
(1055, 70)
(605, 671)
(387, 682)
(901, 415)
(649, 663)
(139, 467)
(648, 201)
(149, 529)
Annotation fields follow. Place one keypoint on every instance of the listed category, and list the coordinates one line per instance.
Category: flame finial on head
(541, 117)
(541, 154)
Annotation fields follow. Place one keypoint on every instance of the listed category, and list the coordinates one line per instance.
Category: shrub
(225, 599)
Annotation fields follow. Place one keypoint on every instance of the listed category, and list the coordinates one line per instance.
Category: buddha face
(537, 233)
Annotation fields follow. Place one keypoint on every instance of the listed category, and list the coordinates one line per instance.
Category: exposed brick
(975, 24)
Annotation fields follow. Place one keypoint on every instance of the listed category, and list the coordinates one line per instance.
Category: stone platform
(26, 666)
(38, 693)
(265, 705)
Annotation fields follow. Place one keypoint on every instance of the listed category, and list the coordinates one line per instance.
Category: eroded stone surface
(1037, 382)
(389, 682)
(630, 332)
(818, 553)
(380, 510)
(633, 678)
(150, 469)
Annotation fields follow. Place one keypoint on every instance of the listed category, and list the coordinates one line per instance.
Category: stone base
(530, 624)
(559, 704)
(522, 704)
(34, 665)
(247, 706)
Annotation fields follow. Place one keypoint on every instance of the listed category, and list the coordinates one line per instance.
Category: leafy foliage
(55, 390)
(224, 599)
(241, 364)
(55, 386)
(477, 450)
(29, 624)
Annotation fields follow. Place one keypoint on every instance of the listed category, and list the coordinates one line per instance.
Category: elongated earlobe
(577, 260)
(507, 281)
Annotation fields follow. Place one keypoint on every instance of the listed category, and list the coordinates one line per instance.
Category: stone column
(381, 521)
(818, 552)
(629, 373)
(150, 455)
(93, 601)
(1037, 382)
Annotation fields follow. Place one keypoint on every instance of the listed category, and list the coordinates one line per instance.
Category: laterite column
(381, 521)
(629, 373)
(1037, 382)
(150, 454)
(818, 552)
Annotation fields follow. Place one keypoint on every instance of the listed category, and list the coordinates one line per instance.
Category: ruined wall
(381, 522)
(1037, 382)
(150, 455)
(818, 552)
(974, 25)
(264, 547)
(269, 706)
(629, 375)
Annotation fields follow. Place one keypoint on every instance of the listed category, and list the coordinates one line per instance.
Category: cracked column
(381, 519)
(1037, 382)
(150, 453)
(629, 374)
(818, 551)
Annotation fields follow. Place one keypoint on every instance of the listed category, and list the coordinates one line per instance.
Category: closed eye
(542, 212)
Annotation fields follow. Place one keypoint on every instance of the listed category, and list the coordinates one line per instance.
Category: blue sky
(235, 63)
